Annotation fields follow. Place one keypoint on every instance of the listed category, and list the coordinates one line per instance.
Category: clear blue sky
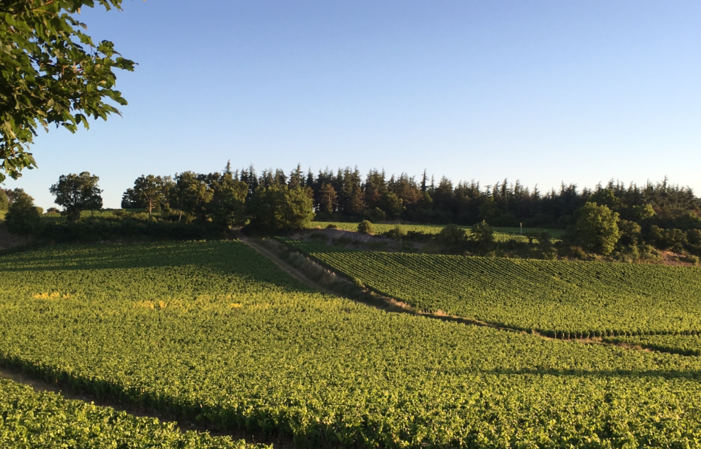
(542, 91)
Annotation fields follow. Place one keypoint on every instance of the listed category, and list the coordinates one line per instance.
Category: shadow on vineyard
(558, 299)
(198, 260)
(663, 374)
(106, 256)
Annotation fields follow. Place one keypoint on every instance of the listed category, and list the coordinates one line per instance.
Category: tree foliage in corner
(51, 72)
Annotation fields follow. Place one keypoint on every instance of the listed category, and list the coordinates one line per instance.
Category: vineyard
(557, 298)
(214, 333)
(32, 420)
(679, 344)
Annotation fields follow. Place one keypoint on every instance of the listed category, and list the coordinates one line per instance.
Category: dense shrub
(280, 209)
(418, 236)
(597, 228)
(482, 237)
(689, 258)
(673, 239)
(375, 215)
(365, 227)
(397, 232)
(452, 235)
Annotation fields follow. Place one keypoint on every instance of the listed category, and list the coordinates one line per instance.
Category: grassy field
(563, 297)
(39, 420)
(216, 333)
(501, 234)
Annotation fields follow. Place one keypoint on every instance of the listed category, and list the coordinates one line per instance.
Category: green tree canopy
(76, 193)
(191, 194)
(227, 207)
(150, 191)
(644, 212)
(482, 236)
(328, 199)
(22, 217)
(280, 209)
(392, 205)
(51, 72)
(629, 232)
(597, 228)
(605, 197)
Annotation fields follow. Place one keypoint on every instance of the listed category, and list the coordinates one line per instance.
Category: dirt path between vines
(274, 258)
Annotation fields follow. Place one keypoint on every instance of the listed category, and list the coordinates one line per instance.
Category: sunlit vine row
(558, 298)
(39, 420)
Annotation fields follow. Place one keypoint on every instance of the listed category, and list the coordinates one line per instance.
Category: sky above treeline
(545, 92)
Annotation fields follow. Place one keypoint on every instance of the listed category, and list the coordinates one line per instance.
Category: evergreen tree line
(346, 195)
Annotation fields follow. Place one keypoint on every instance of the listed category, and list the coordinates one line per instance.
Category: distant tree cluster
(223, 200)
(600, 220)
(603, 220)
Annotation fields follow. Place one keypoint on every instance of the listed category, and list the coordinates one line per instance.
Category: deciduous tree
(228, 205)
(191, 194)
(51, 72)
(76, 193)
(280, 209)
(151, 191)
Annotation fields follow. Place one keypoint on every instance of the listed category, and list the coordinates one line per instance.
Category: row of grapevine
(556, 298)
(678, 344)
(214, 332)
(39, 420)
